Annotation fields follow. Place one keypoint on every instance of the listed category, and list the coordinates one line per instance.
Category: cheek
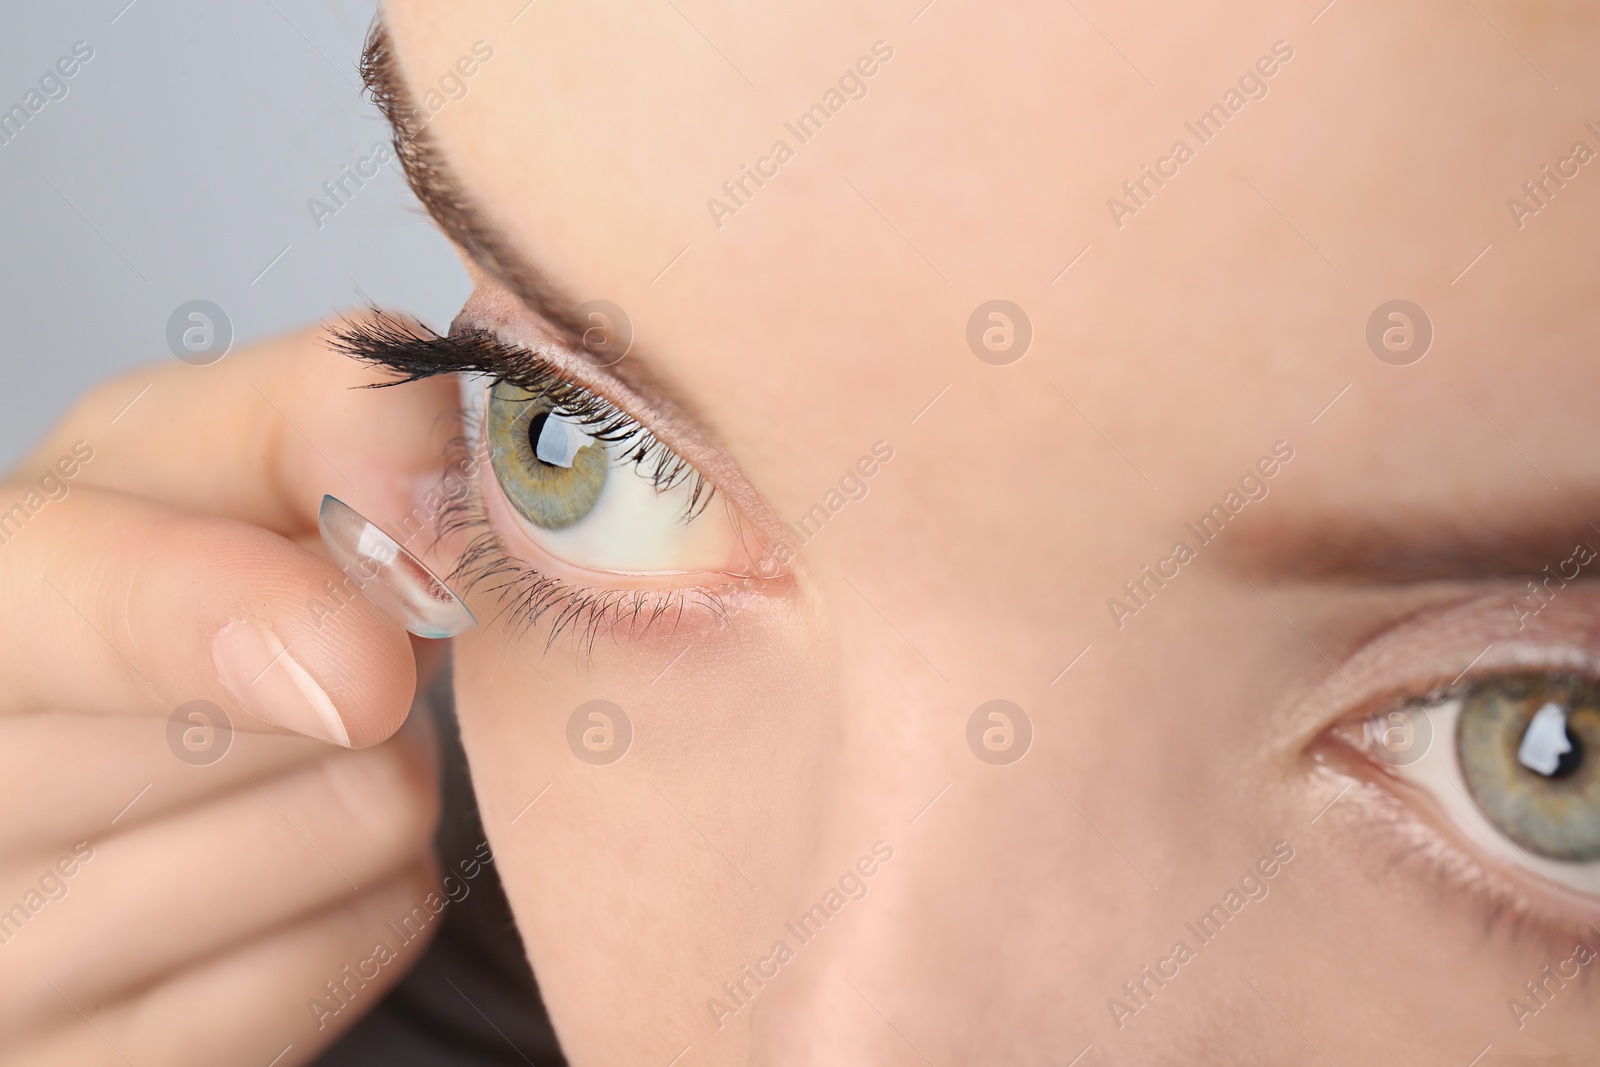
(692, 782)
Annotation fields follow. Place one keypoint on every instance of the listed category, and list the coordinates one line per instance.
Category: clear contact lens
(391, 577)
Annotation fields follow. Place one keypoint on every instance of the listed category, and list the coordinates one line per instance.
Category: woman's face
(1245, 551)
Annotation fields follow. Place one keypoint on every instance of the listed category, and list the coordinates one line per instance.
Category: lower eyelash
(1414, 841)
(527, 595)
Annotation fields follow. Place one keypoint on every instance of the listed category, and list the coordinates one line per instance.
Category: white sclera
(391, 577)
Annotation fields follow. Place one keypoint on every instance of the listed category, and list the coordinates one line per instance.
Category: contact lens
(391, 577)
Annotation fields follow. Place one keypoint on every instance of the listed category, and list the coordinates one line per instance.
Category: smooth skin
(1174, 752)
(1222, 318)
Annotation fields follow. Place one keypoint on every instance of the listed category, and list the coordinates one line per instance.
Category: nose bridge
(919, 929)
(908, 967)
(846, 937)
(963, 947)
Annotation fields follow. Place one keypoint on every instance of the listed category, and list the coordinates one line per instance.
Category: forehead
(838, 187)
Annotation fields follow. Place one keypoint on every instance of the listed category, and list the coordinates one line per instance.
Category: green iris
(1529, 746)
(551, 495)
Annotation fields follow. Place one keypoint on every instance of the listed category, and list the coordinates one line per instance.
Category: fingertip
(298, 646)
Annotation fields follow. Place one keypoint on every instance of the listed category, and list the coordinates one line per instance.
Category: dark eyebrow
(1413, 543)
(430, 178)
(429, 175)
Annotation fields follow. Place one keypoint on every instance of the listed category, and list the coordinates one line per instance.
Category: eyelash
(417, 352)
(527, 595)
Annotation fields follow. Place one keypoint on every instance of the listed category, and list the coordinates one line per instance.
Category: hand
(160, 905)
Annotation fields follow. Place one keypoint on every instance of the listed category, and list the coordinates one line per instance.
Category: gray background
(177, 167)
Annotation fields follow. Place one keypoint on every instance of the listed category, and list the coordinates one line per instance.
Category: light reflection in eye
(1545, 746)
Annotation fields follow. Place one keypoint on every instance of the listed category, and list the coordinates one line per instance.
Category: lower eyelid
(529, 595)
(1400, 843)
(1439, 772)
(1409, 835)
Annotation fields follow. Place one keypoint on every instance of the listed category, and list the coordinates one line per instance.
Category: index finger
(259, 436)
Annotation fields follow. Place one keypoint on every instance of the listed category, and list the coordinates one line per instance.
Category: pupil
(1571, 759)
(535, 429)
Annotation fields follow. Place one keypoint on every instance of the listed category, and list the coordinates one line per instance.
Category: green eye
(551, 471)
(1529, 749)
(591, 487)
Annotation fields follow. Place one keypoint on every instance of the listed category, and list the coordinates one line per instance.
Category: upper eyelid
(1440, 639)
(413, 351)
(692, 447)
(628, 382)
(562, 364)
(382, 340)
(655, 410)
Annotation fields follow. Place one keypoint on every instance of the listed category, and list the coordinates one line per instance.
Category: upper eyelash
(526, 594)
(414, 352)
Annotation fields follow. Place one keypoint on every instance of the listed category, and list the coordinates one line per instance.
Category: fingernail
(265, 677)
